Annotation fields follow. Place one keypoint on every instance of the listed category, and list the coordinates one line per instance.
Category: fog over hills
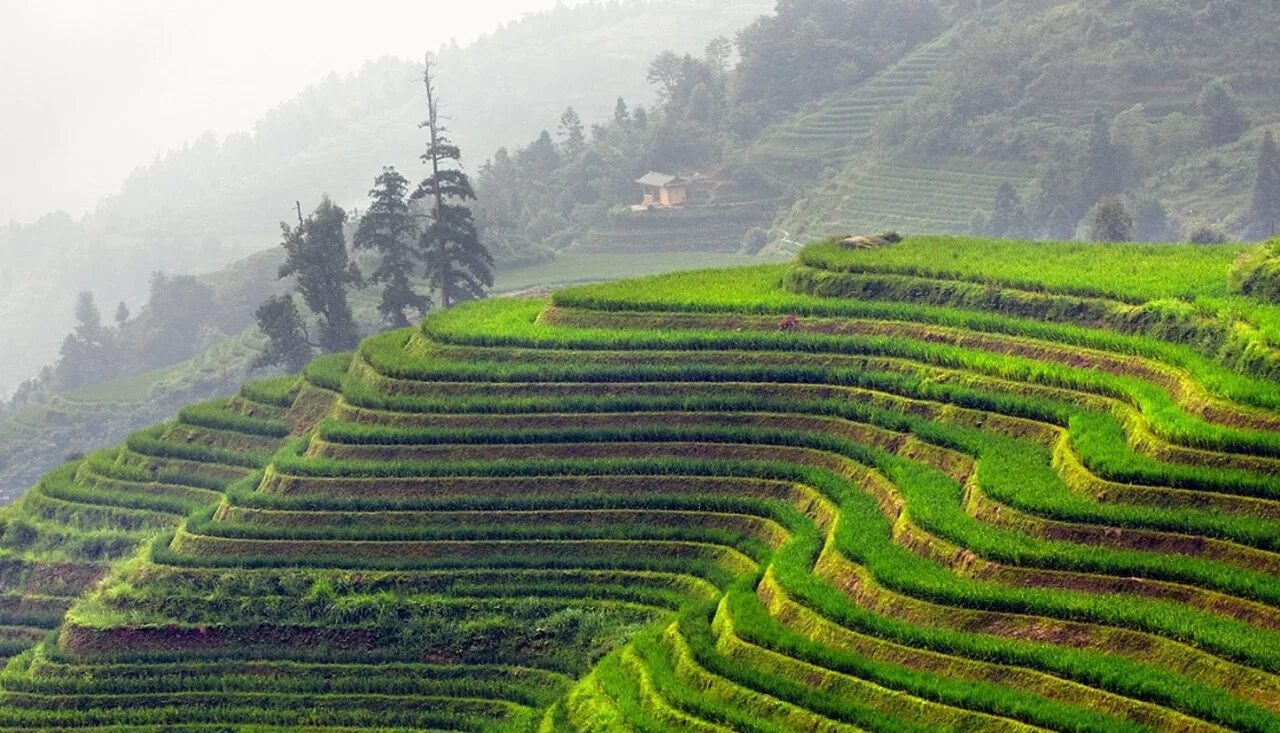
(97, 88)
(218, 197)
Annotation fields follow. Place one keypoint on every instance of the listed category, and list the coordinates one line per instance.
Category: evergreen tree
(1151, 221)
(84, 357)
(1264, 209)
(1221, 118)
(539, 160)
(1060, 224)
(388, 227)
(572, 133)
(457, 262)
(621, 114)
(316, 255)
(1007, 218)
(88, 319)
(288, 343)
(1110, 221)
(718, 51)
(122, 314)
(1101, 172)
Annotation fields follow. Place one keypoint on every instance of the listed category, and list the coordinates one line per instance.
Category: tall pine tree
(1101, 173)
(388, 227)
(458, 264)
(85, 356)
(621, 113)
(1264, 209)
(1007, 217)
(572, 133)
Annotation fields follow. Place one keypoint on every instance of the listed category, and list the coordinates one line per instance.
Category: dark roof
(658, 179)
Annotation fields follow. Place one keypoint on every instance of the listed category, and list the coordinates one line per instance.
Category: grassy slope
(872, 182)
(1130, 271)
(655, 505)
(94, 417)
(1133, 273)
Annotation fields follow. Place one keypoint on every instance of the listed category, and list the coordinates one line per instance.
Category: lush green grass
(1133, 273)
(665, 504)
(575, 267)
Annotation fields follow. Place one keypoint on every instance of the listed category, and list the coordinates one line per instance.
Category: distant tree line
(423, 245)
(1088, 190)
(544, 196)
(1017, 90)
(428, 234)
(183, 316)
(420, 244)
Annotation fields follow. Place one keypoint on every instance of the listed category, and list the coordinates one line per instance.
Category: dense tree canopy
(316, 257)
(1222, 119)
(1264, 206)
(179, 307)
(811, 47)
(1111, 221)
(388, 228)
(288, 343)
(85, 356)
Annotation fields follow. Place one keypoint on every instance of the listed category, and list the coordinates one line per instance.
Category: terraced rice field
(837, 128)
(802, 497)
(825, 158)
(869, 195)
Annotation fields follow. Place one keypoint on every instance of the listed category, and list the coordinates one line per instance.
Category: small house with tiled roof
(662, 191)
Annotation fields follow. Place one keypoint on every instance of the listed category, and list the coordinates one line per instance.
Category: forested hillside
(1165, 103)
(218, 199)
(1007, 118)
(826, 117)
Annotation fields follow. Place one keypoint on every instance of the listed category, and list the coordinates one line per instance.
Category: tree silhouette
(458, 263)
(388, 228)
(1264, 209)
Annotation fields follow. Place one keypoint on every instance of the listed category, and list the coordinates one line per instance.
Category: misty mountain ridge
(215, 200)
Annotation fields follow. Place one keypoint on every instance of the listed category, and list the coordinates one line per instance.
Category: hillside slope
(37, 439)
(216, 200)
(897, 489)
(1015, 91)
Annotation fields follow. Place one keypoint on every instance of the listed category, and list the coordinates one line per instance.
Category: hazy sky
(89, 89)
